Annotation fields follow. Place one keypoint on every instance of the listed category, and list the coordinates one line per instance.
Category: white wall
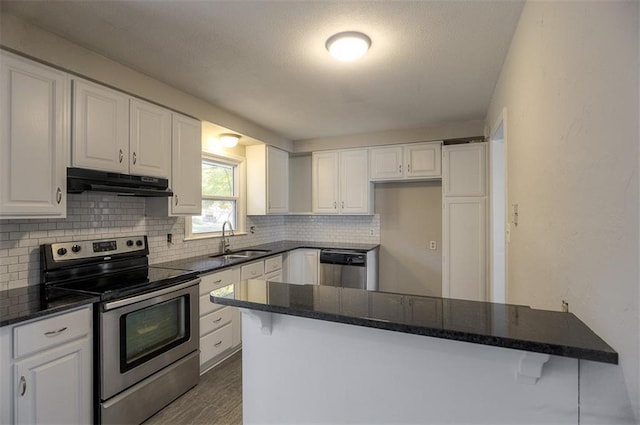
(570, 86)
(453, 130)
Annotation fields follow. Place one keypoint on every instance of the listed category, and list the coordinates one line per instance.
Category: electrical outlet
(169, 238)
(433, 245)
(565, 306)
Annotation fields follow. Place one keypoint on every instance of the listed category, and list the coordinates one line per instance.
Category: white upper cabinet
(406, 162)
(186, 168)
(324, 182)
(277, 181)
(387, 163)
(267, 180)
(186, 171)
(149, 139)
(100, 130)
(465, 170)
(33, 139)
(423, 160)
(112, 131)
(355, 191)
(340, 182)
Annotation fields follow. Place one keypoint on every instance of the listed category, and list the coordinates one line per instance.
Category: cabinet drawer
(49, 332)
(216, 280)
(275, 276)
(272, 264)
(252, 271)
(215, 343)
(206, 306)
(215, 320)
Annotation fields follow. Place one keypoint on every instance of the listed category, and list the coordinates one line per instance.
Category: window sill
(213, 236)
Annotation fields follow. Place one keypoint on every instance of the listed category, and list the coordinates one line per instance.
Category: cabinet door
(186, 169)
(33, 133)
(386, 163)
(465, 170)
(55, 386)
(277, 181)
(423, 160)
(355, 189)
(302, 266)
(324, 182)
(149, 140)
(464, 239)
(100, 128)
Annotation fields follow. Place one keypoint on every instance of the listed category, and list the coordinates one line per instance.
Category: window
(220, 198)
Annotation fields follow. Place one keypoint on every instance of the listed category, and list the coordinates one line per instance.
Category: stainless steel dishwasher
(343, 268)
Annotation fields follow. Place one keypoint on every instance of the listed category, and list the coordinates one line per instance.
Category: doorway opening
(498, 222)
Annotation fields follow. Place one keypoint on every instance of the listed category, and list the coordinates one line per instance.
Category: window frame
(240, 187)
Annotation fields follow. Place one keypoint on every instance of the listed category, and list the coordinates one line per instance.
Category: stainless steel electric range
(146, 327)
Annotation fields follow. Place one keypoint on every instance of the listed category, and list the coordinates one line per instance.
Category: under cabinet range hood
(80, 180)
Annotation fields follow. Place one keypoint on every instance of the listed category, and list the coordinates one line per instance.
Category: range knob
(139, 242)
(76, 248)
(62, 251)
(129, 242)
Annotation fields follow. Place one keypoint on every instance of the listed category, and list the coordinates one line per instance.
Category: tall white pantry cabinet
(464, 222)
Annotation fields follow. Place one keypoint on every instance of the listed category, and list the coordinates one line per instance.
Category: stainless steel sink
(241, 255)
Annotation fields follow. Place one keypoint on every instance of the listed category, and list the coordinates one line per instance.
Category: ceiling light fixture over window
(348, 46)
(229, 140)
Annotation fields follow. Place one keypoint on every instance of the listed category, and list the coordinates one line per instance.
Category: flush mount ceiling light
(348, 46)
(229, 140)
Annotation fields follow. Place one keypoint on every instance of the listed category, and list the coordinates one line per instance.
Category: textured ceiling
(431, 62)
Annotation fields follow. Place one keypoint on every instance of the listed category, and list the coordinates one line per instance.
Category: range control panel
(97, 248)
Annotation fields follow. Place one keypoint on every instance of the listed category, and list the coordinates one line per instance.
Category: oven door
(143, 334)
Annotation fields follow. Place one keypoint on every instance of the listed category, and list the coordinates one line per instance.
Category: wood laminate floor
(216, 400)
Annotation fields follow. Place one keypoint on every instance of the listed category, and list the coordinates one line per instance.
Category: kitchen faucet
(225, 240)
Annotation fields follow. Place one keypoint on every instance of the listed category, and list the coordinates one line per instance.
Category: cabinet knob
(23, 386)
(120, 156)
(135, 158)
(335, 205)
(59, 195)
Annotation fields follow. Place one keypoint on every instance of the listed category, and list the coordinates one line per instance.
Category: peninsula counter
(320, 354)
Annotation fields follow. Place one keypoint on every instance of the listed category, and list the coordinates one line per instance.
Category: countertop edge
(472, 338)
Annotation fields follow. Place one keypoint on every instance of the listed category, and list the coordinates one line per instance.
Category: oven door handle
(126, 301)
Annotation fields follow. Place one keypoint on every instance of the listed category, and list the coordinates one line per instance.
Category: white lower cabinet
(49, 363)
(302, 266)
(219, 325)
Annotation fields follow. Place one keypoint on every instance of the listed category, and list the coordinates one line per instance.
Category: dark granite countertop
(500, 325)
(210, 263)
(21, 304)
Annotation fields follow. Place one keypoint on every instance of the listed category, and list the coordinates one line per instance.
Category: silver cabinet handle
(217, 320)
(342, 204)
(400, 168)
(217, 281)
(135, 158)
(54, 333)
(120, 156)
(58, 195)
(409, 167)
(176, 199)
(23, 386)
(217, 344)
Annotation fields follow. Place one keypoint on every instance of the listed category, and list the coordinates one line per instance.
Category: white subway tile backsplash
(96, 216)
